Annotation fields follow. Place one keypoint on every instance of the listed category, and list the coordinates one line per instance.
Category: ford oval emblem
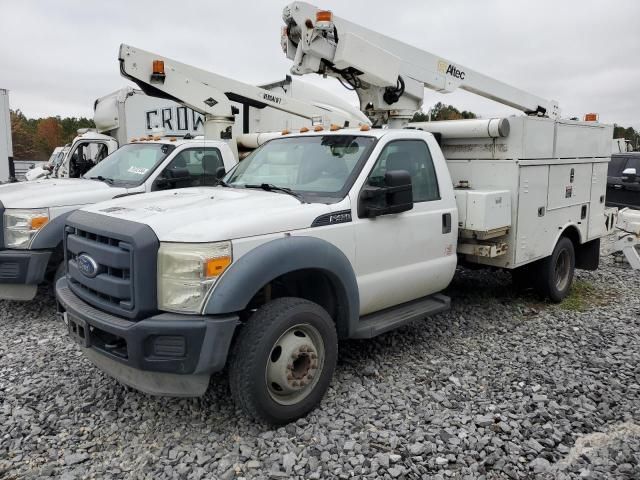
(87, 265)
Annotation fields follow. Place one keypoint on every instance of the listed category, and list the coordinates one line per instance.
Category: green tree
(23, 137)
(35, 138)
(440, 111)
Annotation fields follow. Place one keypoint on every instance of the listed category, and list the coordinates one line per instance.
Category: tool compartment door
(569, 184)
(532, 228)
(597, 227)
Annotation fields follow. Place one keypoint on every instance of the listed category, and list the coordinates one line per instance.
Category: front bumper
(21, 272)
(166, 354)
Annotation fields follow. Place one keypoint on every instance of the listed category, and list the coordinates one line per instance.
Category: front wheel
(556, 272)
(283, 360)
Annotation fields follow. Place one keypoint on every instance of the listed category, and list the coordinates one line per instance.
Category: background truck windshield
(320, 165)
(132, 163)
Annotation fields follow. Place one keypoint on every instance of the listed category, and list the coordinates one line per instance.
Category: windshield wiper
(222, 183)
(106, 180)
(270, 187)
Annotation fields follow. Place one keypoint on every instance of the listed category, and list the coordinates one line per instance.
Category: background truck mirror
(629, 175)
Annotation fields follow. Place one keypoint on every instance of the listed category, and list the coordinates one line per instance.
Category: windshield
(316, 165)
(53, 156)
(132, 163)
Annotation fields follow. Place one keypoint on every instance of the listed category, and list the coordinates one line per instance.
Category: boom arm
(388, 75)
(209, 93)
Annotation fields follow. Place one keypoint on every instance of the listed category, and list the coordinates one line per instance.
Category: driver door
(405, 256)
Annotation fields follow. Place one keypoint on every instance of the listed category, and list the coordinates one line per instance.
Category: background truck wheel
(283, 360)
(555, 273)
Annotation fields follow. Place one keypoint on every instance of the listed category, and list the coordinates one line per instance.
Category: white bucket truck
(329, 234)
(33, 213)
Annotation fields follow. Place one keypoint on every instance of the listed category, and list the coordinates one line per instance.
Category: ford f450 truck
(312, 238)
(324, 235)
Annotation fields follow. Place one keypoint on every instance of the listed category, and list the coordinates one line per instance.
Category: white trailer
(6, 146)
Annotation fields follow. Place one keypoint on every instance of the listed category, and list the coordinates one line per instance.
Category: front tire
(556, 272)
(283, 360)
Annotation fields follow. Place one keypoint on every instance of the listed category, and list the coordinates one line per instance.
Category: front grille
(112, 283)
(122, 256)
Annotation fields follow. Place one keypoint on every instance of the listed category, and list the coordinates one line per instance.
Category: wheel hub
(292, 368)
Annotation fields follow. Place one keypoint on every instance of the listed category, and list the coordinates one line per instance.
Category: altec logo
(448, 69)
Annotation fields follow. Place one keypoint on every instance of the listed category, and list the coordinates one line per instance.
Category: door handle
(446, 223)
(617, 187)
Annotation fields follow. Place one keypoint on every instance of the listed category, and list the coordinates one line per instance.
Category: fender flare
(255, 269)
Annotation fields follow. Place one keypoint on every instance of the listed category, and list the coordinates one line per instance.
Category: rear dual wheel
(551, 277)
(283, 360)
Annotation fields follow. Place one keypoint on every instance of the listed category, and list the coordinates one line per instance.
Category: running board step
(384, 321)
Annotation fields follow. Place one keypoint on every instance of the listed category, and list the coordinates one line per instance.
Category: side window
(193, 167)
(414, 157)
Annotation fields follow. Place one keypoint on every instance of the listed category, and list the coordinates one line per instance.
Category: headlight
(187, 271)
(21, 226)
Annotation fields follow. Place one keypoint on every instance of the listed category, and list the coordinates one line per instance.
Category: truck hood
(56, 193)
(213, 213)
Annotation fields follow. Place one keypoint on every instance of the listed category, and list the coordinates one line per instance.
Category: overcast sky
(57, 57)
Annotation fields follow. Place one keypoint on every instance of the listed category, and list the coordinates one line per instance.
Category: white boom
(389, 76)
(211, 94)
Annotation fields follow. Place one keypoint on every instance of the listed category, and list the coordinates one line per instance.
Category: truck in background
(6, 145)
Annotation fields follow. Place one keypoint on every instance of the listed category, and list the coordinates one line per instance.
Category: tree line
(35, 138)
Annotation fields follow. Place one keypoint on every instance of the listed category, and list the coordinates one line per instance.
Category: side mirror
(395, 196)
(629, 175)
(220, 172)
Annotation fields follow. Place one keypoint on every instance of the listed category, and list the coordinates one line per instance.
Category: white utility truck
(6, 146)
(33, 213)
(328, 234)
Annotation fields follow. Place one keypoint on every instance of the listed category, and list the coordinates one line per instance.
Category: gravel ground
(502, 386)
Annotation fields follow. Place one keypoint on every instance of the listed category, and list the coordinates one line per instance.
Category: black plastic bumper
(26, 267)
(157, 354)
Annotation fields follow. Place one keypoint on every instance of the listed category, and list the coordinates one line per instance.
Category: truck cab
(33, 213)
(86, 151)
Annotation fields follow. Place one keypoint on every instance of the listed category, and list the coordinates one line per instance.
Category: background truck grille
(125, 254)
